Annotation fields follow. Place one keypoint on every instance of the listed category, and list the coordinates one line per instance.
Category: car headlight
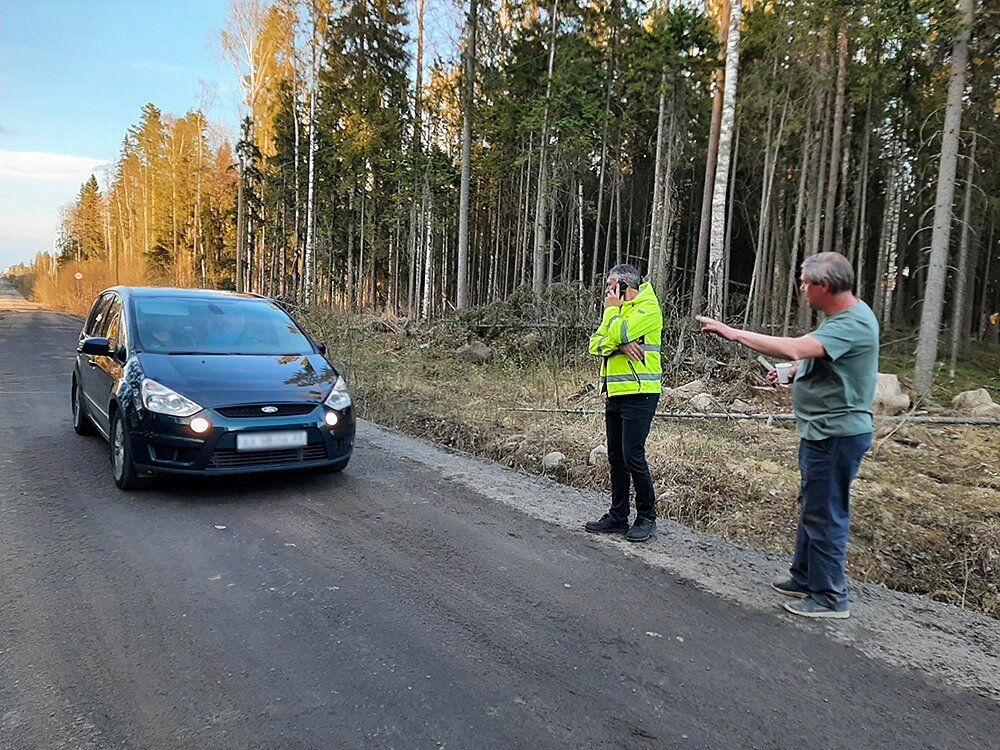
(339, 398)
(162, 400)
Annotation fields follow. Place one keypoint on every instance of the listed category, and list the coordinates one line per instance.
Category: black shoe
(642, 530)
(788, 587)
(606, 525)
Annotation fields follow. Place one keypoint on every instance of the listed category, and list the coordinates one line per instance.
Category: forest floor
(926, 505)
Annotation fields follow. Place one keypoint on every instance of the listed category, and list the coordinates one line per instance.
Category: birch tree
(541, 197)
(716, 265)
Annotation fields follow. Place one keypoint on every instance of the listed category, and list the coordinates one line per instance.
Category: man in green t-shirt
(833, 390)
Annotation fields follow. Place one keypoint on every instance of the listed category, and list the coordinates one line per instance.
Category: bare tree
(830, 227)
(959, 329)
(930, 318)
(463, 210)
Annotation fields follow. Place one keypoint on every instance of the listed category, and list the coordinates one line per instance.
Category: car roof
(146, 292)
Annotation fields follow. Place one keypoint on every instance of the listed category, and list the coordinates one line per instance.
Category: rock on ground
(552, 460)
(969, 400)
(889, 397)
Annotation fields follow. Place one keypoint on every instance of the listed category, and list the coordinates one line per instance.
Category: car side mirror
(95, 345)
(321, 347)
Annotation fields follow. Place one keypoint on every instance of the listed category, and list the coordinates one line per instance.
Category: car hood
(220, 380)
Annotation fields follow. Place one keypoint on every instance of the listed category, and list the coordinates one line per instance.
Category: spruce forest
(712, 144)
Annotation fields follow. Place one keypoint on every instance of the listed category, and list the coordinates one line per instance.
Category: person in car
(160, 334)
(227, 329)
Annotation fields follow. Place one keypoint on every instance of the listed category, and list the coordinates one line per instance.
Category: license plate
(268, 441)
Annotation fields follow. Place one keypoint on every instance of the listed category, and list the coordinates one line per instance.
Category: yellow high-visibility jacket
(640, 320)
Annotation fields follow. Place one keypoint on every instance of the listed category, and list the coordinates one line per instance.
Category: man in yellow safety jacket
(628, 343)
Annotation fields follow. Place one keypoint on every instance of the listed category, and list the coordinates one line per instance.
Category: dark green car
(183, 381)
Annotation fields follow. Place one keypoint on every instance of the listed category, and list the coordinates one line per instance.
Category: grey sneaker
(642, 530)
(788, 587)
(809, 607)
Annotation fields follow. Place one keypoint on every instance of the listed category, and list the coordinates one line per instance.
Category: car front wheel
(81, 422)
(126, 477)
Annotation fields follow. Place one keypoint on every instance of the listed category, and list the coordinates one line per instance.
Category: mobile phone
(622, 288)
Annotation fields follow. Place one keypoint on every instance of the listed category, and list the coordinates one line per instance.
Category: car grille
(254, 410)
(227, 459)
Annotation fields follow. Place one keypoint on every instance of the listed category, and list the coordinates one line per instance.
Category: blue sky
(73, 76)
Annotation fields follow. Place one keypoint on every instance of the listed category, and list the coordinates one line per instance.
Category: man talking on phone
(628, 343)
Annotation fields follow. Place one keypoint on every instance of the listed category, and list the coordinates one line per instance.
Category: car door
(108, 370)
(96, 324)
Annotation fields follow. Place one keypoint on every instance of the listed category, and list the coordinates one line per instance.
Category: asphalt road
(386, 607)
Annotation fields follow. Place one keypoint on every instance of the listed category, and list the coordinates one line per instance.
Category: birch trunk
(705, 225)
(428, 244)
(297, 226)
(659, 259)
(240, 223)
(199, 247)
(716, 266)
(656, 216)
(579, 229)
(310, 193)
(538, 255)
(413, 240)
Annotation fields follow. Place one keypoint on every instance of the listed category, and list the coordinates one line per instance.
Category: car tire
(335, 468)
(81, 422)
(122, 468)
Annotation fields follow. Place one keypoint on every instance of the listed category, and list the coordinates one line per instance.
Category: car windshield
(216, 326)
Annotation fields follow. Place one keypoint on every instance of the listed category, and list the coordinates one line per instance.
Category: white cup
(783, 369)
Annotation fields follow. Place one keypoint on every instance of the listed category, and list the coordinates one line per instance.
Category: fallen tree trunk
(977, 421)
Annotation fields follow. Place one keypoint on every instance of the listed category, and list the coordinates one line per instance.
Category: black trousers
(627, 420)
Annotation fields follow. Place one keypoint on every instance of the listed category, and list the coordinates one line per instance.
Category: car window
(98, 320)
(216, 326)
(114, 329)
(88, 325)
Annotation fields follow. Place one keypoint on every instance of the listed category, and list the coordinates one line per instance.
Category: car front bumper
(164, 444)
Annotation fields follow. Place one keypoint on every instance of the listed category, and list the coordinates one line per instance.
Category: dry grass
(926, 513)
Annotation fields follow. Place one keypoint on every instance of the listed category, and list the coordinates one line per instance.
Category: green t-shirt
(833, 395)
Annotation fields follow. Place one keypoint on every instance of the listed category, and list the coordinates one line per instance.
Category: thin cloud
(39, 166)
(156, 66)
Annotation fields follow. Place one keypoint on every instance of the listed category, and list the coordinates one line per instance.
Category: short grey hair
(832, 269)
(627, 273)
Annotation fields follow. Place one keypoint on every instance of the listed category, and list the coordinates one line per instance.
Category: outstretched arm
(787, 347)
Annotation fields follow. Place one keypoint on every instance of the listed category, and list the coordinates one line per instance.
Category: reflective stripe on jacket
(641, 321)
